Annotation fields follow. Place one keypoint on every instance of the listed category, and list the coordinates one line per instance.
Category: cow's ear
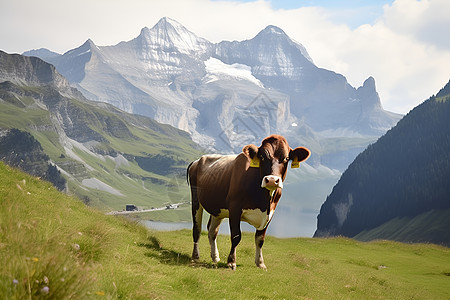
(251, 152)
(298, 155)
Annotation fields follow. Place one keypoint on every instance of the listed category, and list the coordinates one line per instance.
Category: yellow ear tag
(254, 163)
(295, 163)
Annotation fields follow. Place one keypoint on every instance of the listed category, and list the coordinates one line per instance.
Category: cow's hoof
(195, 258)
(215, 259)
(232, 266)
(262, 266)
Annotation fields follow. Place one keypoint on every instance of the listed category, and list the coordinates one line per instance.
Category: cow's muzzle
(272, 182)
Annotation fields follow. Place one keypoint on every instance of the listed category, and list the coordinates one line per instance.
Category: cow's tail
(187, 173)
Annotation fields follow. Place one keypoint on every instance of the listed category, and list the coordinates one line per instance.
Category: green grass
(54, 247)
(122, 133)
(428, 226)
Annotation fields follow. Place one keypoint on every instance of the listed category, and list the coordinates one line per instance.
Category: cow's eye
(285, 160)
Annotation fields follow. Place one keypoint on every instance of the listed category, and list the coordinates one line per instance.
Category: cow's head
(272, 159)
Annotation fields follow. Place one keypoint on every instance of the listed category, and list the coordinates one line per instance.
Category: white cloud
(406, 50)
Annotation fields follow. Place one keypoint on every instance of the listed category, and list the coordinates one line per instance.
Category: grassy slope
(48, 239)
(428, 226)
(142, 188)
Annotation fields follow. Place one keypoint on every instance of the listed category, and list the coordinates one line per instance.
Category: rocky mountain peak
(369, 93)
(169, 35)
(87, 46)
(28, 70)
(72, 63)
(42, 53)
(33, 71)
(280, 40)
(271, 53)
(271, 29)
(369, 83)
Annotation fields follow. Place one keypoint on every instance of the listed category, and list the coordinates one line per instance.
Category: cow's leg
(197, 213)
(259, 241)
(213, 230)
(235, 229)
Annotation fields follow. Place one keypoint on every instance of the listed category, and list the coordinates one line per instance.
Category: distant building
(131, 207)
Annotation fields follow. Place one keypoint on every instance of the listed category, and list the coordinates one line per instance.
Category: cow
(244, 187)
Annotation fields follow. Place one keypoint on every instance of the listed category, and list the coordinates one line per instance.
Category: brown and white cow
(244, 187)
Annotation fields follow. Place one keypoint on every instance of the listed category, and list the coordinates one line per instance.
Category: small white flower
(45, 290)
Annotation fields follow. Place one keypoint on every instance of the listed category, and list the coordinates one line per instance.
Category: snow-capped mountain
(230, 93)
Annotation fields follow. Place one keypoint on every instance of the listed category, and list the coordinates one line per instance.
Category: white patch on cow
(257, 218)
(272, 178)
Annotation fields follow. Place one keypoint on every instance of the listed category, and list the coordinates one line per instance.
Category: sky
(403, 44)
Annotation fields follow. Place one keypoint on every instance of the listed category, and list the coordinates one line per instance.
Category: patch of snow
(85, 52)
(94, 183)
(217, 68)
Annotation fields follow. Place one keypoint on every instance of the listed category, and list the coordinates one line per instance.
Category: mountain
(230, 93)
(42, 53)
(109, 157)
(321, 98)
(398, 187)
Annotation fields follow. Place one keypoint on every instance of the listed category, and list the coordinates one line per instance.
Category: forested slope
(404, 174)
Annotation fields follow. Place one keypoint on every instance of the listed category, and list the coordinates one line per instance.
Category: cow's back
(210, 176)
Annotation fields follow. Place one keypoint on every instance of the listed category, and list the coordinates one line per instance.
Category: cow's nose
(272, 182)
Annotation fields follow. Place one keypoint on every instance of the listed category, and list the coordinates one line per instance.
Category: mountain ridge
(162, 72)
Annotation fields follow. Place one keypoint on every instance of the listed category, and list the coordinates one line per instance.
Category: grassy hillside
(431, 226)
(109, 158)
(54, 247)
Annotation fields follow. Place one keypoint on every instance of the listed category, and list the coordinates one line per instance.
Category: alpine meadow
(55, 247)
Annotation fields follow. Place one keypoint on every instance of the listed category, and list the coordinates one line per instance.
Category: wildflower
(35, 259)
(46, 279)
(15, 281)
(100, 293)
(76, 247)
(45, 290)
